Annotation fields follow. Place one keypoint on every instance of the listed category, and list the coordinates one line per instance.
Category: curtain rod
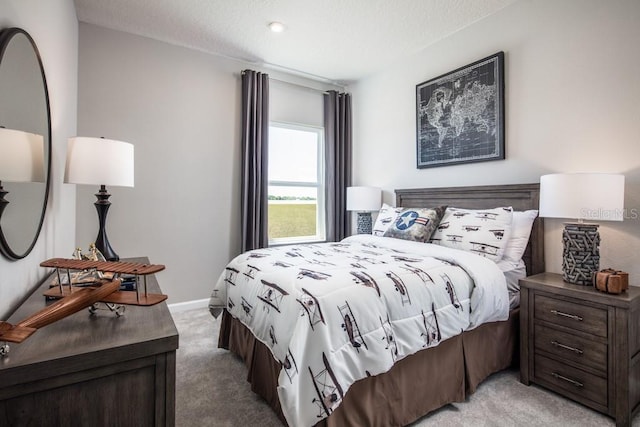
(313, 89)
(299, 85)
(304, 74)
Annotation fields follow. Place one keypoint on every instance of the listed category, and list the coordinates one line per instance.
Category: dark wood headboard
(521, 196)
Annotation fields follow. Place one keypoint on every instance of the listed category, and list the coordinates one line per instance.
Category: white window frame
(320, 235)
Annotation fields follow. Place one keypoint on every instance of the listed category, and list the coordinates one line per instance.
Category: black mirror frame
(5, 38)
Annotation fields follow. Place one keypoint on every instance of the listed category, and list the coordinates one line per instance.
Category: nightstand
(581, 343)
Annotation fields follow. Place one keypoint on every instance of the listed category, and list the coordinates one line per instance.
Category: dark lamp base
(102, 242)
(581, 253)
(364, 223)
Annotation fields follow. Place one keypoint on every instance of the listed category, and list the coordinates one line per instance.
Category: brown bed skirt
(413, 387)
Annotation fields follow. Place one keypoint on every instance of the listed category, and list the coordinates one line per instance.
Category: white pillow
(513, 273)
(520, 231)
(481, 231)
(386, 216)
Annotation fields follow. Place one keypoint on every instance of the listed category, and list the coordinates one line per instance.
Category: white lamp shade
(583, 196)
(99, 161)
(21, 156)
(363, 199)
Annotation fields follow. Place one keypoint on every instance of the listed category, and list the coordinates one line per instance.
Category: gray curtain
(255, 135)
(337, 128)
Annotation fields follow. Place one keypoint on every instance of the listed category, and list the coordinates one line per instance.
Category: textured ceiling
(339, 40)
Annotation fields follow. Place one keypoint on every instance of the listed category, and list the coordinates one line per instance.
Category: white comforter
(334, 313)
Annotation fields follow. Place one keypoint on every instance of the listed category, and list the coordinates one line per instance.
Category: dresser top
(553, 283)
(88, 341)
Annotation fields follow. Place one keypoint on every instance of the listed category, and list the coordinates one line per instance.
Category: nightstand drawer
(571, 347)
(580, 317)
(574, 383)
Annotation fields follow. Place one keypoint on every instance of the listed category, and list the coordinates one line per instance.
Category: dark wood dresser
(582, 343)
(98, 370)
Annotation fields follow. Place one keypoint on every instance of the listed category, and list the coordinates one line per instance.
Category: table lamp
(364, 200)
(581, 196)
(21, 159)
(100, 161)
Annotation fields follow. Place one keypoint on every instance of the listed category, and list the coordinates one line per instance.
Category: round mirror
(25, 143)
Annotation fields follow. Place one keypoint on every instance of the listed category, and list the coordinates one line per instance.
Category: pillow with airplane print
(415, 224)
(482, 231)
(386, 216)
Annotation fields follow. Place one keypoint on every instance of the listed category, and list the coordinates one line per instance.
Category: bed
(419, 382)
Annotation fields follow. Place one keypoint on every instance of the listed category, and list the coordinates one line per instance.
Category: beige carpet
(212, 391)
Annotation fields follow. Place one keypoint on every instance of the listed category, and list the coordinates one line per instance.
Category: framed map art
(460, 115)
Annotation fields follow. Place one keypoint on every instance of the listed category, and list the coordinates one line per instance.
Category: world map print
(459, 115)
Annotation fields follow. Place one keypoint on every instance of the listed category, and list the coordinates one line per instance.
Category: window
(296, 184)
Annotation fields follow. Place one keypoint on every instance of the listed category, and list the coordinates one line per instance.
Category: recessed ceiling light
(276, 27)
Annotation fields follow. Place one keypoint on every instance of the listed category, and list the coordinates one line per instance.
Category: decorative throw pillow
(484, 231)
(416, 224)
(520, 231)
(386, 216)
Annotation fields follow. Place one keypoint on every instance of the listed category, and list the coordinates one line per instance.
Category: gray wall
(181, 110)
(572, 105)
(54, 28)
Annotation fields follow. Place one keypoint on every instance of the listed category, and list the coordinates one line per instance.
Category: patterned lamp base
(581, 253)
(364, 223)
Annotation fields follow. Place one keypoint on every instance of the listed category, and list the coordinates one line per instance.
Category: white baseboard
(179, 307)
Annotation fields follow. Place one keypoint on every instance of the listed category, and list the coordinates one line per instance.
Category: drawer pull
(566, 347)
(569, 380)
(570, 316)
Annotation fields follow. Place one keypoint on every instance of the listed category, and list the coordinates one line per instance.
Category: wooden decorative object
(74, 298)
(105, 266)
(120, 297)
(611, 281)
(83, 298)
(581, 253)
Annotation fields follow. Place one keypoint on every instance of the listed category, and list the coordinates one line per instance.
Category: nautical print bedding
(334, 313)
